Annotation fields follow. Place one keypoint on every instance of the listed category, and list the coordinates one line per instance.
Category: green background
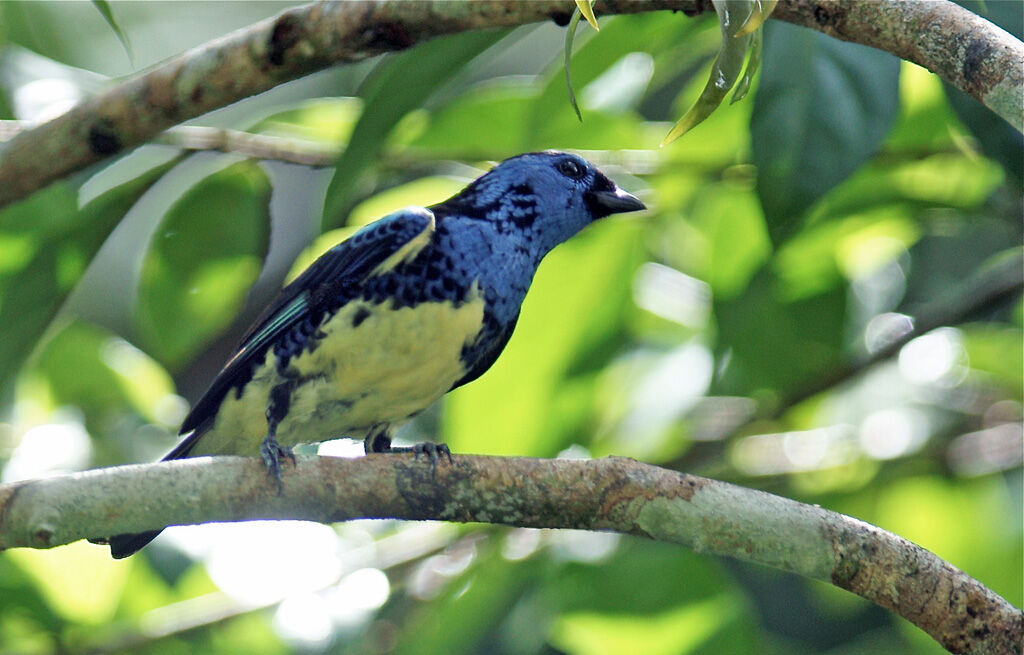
(789, 237)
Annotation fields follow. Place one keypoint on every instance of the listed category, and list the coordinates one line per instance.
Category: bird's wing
(372, 251)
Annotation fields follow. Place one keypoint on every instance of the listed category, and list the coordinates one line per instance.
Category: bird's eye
(570, 169)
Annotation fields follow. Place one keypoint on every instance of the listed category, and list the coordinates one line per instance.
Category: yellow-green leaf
(760, 12)
(724, 72)
(753, 64)
(586, 8)
(570, 34)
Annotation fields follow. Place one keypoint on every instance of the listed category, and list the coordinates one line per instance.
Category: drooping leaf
(753, 64)
(402, 83)
(724, 71)
(202, 260)
(586, 7)
(103, 7)
(760, 12)
(620, 36)
(570, 34)
(822, 108)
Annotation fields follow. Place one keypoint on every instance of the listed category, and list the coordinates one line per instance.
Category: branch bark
(614, 494)
(966, 50)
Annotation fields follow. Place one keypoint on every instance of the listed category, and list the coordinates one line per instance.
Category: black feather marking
(485, 349)
(291, 323)
(361, 315)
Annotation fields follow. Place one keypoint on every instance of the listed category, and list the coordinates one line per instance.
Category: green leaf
(603, 131)
(753, 64)
(80, 582)
(997, 351)
(570, 34)
(326, 120)
(103, 7)
(110, 375)
(945, 260)
(205, 255)
(463, 618)
(724, 71)
(497, 110)
(400, 84)
(47, 242)
(737, 241)
(775, 343)
(620, 36)
(822, 109)
(759, 13)
(685, 629)
(586, 7)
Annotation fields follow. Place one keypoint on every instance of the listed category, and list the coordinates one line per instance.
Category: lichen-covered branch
(615, 494)
(966, 50)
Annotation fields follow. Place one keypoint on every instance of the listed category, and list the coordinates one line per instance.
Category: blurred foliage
(788, 238)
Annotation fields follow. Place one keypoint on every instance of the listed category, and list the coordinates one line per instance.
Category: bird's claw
(272, 454)
(434, 451)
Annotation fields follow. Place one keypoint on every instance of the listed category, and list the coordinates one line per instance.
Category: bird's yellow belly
(391, 365)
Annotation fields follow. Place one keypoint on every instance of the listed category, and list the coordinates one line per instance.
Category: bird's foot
(432, 450)
(272, 454)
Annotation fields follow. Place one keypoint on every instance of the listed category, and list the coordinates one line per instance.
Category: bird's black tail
(124, 545)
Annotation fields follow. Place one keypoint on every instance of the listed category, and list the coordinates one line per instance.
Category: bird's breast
(371, 363)
(380, 364)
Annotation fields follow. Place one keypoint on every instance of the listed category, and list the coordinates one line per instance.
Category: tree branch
(969, 52)
(614, 494)
(966, 50)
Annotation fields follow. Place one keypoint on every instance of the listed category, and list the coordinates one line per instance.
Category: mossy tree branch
(614, 494)
(963, 48)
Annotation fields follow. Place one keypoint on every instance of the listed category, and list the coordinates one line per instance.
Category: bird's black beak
(612, 201)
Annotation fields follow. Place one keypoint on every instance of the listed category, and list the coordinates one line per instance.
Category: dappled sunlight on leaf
(199, 267)
(422, 192)
(49, 449)
(675, 632)
(79, 581)
(323, 119)
(731, 331)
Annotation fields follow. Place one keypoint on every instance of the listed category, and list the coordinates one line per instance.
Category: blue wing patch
(333, 279)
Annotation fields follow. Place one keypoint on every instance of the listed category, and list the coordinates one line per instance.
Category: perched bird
(410, 307)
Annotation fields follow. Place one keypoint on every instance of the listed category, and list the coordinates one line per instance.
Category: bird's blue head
(540, 199)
